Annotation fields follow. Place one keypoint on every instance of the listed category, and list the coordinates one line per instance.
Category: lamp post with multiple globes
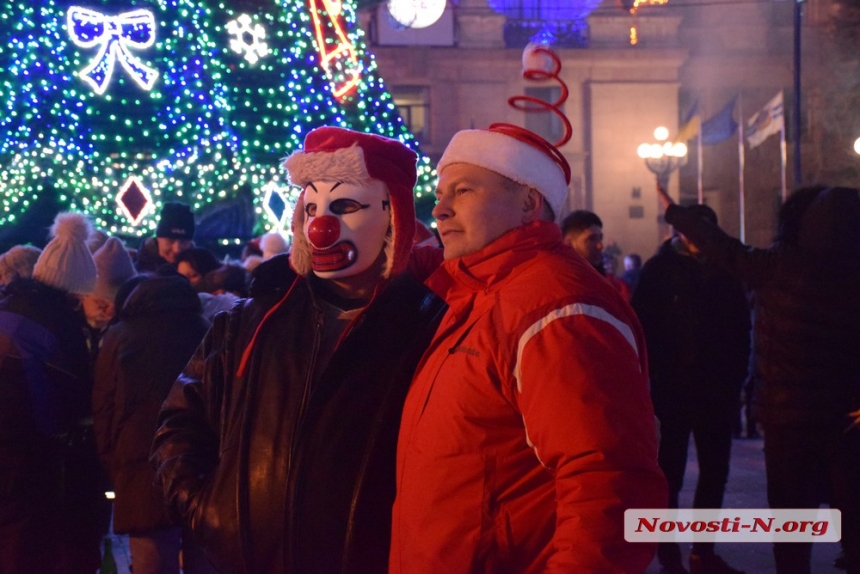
(663, 157)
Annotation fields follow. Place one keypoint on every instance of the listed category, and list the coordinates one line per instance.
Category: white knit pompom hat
(66, 262)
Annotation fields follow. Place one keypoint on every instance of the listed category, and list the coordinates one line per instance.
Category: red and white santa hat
(339, 154)
(517, 154)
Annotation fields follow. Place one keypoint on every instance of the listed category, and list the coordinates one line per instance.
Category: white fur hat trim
(345, 164)
(511, 158)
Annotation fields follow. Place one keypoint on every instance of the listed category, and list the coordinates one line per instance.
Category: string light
(213, 127)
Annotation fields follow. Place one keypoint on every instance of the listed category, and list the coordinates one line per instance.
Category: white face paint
(346, 224)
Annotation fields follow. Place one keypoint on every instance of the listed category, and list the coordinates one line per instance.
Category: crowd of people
(364, 401)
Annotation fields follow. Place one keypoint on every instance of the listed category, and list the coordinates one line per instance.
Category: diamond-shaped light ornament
(134, 200)
(278, 205)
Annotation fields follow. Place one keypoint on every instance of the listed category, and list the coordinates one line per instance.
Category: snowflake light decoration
(249, 40)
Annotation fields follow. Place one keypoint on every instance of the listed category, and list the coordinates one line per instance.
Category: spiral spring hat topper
(515, 152)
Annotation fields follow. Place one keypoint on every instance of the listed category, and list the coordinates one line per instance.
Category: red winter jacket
(528, 429)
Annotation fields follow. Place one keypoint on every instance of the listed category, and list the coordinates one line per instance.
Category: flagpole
(782, 157)
(699, 164)
(798, 21)
(741, 195)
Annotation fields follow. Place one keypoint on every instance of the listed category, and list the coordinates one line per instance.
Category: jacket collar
(486, 269)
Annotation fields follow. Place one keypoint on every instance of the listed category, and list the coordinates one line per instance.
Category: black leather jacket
(272, 472)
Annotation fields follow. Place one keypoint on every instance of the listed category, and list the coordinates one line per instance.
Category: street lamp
(857, 145)
(663, 157)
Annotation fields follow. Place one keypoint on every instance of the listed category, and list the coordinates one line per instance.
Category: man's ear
(533, 204)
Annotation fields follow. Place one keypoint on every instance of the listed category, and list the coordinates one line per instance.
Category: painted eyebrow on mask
(334, 187)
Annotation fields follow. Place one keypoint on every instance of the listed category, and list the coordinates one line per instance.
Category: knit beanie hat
(517, 154)
(338, 154)
(175, 222)
(66, 262)
(114, 267)
(18, 262)
(273, 243)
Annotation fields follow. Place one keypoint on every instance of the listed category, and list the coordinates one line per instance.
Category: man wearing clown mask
(277, 443)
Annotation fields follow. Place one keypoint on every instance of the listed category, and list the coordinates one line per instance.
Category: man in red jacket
(528, 430)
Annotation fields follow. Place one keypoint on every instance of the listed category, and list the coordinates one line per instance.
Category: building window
(546, 124)
(413, 104)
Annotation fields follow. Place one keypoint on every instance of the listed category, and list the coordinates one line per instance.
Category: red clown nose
(324, 231)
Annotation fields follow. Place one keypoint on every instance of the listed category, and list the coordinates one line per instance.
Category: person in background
(84, 475)
(697, 328)
(195, 263)
(806, 290)
(159, 327)
(96, 239)
(222, 287)
(18, 262)
(45, 389)
(173, 235)
(424, 236)
(273, 243)
(528, 430)
(277, 443)
(632, 269)
(114, 267)
(583, 230)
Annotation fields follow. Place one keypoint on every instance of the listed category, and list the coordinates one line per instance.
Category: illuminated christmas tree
(113, 107)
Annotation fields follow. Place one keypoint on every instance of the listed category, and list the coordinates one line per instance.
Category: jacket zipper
(306, 392)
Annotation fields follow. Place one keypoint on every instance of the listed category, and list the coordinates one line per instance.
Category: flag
(721, 126)
(690, 128)
(768, 121)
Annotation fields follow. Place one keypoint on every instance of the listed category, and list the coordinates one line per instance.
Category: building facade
(628, 72)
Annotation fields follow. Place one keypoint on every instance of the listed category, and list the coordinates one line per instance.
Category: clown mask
(346, 225)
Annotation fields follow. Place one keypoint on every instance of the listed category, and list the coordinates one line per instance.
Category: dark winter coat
(697, 328)
(807, 309)
(45, 385)
(160, 325)
(273, 473)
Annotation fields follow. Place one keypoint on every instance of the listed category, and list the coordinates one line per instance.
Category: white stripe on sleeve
(569, 311)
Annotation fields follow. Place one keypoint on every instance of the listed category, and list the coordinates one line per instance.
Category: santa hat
(517, 154)
(114, 267)
(338, 154)
(66, 262)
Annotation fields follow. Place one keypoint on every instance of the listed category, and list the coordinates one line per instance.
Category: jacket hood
(161, 295)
